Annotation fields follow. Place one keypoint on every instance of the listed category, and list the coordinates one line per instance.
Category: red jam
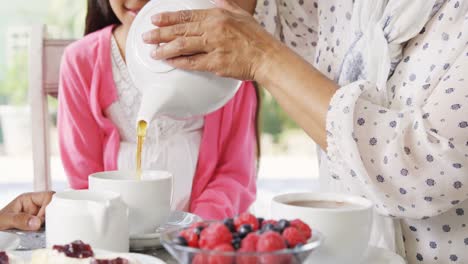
(4, 258)
(76, 249)
(110, 261)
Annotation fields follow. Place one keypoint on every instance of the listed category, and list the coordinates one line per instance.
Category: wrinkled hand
(26, 212)
(226, 41)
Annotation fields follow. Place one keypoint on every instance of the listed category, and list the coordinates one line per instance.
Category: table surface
(36, 240)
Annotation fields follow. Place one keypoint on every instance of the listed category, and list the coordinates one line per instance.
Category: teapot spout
(153, 102)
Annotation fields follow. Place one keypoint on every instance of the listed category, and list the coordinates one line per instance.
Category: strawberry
(249, 244)
(246, 218)
(294, 237)
(190, 236)
(303, 228)
(220, 259)
(214, 235)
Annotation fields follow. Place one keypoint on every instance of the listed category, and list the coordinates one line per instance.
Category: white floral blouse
(401, 140)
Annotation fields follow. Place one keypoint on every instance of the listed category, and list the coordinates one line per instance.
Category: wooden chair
(44, 65)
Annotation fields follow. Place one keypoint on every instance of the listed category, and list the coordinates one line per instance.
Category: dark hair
(100, 15)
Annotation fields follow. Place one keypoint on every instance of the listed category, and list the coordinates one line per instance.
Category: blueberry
(299, 245)
(260, 221)
(236, 236)
(236, 242)
(229, 223)
(268, 227)
(198, 230)
(181, 241)
(244, 230)
(282, 224)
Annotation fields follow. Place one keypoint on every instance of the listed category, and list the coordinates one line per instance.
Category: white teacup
(97, 218)
(148, 199)
(344, 220)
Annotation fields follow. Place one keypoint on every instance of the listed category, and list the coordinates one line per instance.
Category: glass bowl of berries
(244, 239)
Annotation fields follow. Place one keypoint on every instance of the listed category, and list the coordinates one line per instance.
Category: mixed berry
(244, 233)
(4, 258)
(80, 250)
(110, 261)
(76, 249)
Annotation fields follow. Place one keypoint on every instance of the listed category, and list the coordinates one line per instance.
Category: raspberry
(200, 259)
(197, 224)
(190, 236)
(214, 235)
(294, 237)
(110, 261)
(249, 244)
(246, 218)
(303, 228)
(246, 259)
(268, 242)
(3, 257)
(220, 259)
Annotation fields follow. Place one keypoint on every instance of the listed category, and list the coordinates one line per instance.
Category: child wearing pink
(224, 182)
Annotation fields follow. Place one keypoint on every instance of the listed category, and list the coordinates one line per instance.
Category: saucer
(152, 240)
(9, 241)
(141, 258)
(382, 256)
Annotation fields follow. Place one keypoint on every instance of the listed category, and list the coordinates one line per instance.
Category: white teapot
(168, 91)
(97, 218)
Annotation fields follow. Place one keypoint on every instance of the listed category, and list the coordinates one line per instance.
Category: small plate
(152, 240)
(9, 241)
(143, 259)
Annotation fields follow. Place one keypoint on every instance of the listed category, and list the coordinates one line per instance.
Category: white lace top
(171, 145)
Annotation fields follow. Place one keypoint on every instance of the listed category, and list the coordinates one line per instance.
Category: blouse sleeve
(80, 139)
(412, 160)
(293, 22)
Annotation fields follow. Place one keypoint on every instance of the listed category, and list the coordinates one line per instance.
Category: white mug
(148, 199)
(346, 230)
(97, 218)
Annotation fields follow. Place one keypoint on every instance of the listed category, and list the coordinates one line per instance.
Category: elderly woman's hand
(226, 41)
(26, 212)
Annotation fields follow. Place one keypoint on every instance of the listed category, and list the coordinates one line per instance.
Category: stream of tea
(141, 134)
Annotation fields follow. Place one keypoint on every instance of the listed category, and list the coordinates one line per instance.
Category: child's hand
(26, 212)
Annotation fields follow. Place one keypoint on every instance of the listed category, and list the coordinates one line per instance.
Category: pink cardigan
(225, 178)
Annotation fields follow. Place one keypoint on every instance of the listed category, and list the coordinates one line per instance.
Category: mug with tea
(149, 198)
(344, 220)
